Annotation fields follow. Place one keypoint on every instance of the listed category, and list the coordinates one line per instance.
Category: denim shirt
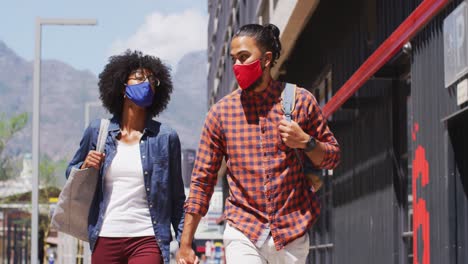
(161, 160)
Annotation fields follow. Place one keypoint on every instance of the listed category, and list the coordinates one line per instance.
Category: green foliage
(8, 128)
(44, 195)
(49, 170)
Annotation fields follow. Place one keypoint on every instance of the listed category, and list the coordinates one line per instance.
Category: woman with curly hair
(140, 191)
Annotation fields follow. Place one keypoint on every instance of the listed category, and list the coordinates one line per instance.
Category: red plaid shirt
(266, 185)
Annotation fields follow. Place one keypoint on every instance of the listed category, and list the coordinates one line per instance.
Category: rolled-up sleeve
(318, 128)
(211, 151)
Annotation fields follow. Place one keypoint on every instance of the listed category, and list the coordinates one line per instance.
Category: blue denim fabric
(161, 160)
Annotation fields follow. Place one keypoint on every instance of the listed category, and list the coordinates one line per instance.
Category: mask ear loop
(125, 85)
(156, 80)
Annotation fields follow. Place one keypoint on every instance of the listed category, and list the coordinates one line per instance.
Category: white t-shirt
(127, 213)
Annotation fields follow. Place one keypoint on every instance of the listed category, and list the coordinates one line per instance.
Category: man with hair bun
(270, 205)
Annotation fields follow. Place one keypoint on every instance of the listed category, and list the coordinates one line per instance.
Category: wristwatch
(310, 145)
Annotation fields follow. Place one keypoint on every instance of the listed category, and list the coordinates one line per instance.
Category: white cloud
(168, 37)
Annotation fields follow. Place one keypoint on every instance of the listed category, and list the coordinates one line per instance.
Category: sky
(167, 29)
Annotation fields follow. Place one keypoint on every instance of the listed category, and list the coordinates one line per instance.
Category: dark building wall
(343, 38)
(367, 210)
(431, 102)
(366, 224)
(370, 212)
(366, 235)
(458, 185)
(370, 194)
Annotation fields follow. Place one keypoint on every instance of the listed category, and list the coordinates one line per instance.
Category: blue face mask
(141, 94)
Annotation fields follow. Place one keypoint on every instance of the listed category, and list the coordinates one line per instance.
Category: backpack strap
(102, 136)
(289, 100)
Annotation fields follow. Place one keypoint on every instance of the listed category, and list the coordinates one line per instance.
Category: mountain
(188, 106)
(65, 91)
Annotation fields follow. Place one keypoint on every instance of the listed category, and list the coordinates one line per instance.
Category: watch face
(310, 144)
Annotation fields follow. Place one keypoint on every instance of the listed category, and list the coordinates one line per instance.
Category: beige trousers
(239, 249)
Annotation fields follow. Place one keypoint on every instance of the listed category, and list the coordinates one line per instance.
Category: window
(322, 88)
(215, 26)
(215, 85)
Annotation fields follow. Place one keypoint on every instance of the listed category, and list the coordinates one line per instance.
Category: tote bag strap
(103, 129)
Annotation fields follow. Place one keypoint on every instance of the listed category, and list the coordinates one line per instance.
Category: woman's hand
(93, 160)
(186, 255)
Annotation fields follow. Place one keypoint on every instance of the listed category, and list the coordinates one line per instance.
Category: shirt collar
(271, 93)
(150, 126)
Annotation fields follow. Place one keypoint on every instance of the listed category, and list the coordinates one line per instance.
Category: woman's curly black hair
(115, 74)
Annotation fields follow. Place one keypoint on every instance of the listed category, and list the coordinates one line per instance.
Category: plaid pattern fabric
(266, 183)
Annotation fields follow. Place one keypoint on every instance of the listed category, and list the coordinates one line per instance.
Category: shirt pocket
(161, 169)
(160, 180)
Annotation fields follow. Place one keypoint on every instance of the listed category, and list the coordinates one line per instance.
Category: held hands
(186, 255)
(93, 160)
(292, 134)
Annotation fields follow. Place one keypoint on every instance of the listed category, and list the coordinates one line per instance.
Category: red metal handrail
(408, 29)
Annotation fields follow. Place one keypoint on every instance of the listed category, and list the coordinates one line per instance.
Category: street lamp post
(88, 106)
(35, 125)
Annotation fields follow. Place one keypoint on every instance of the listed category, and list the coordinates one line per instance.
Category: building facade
(391, 77)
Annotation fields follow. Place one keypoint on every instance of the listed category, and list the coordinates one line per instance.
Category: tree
(47, 172)
(8, 128)
(50, 170)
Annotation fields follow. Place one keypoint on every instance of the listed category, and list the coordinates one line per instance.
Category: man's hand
(292, 134)
(186, 255)
(93, 160)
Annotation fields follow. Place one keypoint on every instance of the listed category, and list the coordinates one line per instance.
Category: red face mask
(247, 74)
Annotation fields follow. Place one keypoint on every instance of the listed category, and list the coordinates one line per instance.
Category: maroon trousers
(127, 250)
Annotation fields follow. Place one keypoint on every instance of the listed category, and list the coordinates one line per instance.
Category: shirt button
(142, 141)
(147, 189)
(143, 157)
(151, 205)
(146, 173)
(154, 222)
